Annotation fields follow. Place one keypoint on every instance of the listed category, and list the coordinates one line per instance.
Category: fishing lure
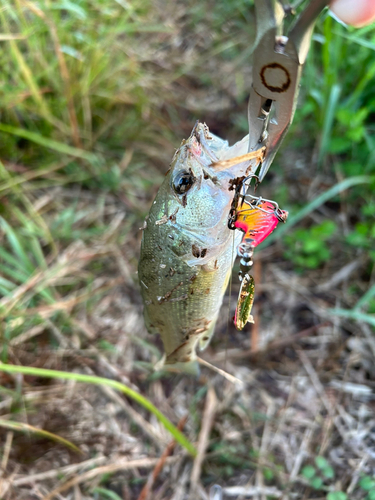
(242, 316)
(256, 218)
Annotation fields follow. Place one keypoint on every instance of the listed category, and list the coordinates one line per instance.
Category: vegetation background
(95, 95)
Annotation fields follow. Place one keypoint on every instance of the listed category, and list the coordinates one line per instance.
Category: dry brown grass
(301, 381)
(310, 393)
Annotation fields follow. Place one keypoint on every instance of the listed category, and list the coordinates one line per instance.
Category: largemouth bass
(187, 250)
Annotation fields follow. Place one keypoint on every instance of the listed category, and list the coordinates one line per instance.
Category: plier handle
(277, 66)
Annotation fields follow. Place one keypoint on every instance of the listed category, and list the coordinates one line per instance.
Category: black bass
(187, 250)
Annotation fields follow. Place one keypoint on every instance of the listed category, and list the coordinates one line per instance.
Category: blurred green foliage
(309, 248)
(367, 483)
(321, 476)
(336, 117)
(339, 103)
(337, 495)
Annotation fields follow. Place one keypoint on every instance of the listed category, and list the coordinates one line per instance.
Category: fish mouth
(216, 157)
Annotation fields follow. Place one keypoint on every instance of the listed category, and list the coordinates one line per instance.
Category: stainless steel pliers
(277, 66)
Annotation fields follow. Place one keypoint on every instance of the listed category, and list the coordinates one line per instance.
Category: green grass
(40, 372)
(321, 477)
(94, 97)
(18, 426)
(88, 105)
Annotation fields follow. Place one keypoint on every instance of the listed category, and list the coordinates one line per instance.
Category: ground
(83, 151)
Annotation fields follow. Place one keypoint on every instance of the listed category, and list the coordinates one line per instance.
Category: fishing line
(229, 300)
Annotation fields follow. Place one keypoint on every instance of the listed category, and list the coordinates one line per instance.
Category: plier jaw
(277, 68)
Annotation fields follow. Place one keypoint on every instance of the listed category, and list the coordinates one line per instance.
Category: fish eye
(183, 182)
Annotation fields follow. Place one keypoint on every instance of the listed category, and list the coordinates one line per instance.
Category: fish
(187, 250)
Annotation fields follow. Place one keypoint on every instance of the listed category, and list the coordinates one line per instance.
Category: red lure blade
(258, 221)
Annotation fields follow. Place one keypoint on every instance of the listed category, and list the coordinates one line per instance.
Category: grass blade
(11, 271)
(356, 39)
(316, 203)
(107, 493)
(20, 426)
(353, 314)
(59, 147)
(365, 298)
(329, 116)
(9, 285)
(16, 246)
(91, 379)
(27, 74)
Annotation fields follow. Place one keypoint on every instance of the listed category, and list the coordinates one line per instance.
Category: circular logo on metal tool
(275, 71)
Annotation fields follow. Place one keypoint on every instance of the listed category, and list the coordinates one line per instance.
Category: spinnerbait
(257, 218)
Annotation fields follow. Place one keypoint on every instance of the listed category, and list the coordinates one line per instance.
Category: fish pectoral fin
(205, 338)
(210, 267)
